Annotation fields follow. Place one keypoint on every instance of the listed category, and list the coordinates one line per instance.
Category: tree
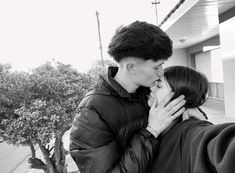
(54, 94)
(13, 96)
(13, 93)
(97, 69)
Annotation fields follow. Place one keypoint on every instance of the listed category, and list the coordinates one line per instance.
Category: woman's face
(159, 91)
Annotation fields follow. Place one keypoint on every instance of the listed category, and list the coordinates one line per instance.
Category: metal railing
(216, 90)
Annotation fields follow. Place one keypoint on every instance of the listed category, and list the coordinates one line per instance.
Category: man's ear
(130, 67)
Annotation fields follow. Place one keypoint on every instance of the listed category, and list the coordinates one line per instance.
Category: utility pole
(101, 51)
(155, 3)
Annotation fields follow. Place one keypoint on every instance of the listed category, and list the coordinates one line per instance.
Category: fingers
(175, 104)
(167, 121)
(166, 100)
(193, 112)
(177, 114)
(177, 107)
(161, 115)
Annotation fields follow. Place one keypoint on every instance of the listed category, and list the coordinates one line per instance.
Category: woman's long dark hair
(188, 82)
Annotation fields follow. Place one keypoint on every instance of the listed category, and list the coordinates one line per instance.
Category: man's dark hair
(140, 39)
(188, 82)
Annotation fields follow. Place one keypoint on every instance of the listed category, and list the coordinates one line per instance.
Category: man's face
(148, 72)
(159, 91)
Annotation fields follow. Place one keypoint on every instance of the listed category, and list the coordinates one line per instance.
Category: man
(112, 131)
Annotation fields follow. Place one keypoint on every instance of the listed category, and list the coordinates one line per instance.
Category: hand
(193, 112)
(162, 115)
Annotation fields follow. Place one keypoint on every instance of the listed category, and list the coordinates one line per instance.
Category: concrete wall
(179, 57)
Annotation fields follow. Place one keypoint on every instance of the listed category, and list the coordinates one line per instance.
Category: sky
(35, 31)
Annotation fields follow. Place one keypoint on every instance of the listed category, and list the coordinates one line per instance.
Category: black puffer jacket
(108, 134)
(195, 146)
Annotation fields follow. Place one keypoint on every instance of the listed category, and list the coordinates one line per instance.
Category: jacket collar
(115, 87)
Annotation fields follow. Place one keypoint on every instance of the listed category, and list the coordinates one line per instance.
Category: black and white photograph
(128, 86)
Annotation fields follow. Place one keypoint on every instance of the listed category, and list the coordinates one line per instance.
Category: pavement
(214, 108)
(11, 156)
(215, 116)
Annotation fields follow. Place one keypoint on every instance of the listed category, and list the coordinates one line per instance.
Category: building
(203, 32)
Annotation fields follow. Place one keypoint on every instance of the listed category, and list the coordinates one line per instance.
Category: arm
(221, 148)
(94, 148)
(212, 147)
(197, 146)
(196, 113)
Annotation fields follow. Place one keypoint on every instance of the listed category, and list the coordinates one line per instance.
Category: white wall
(179, 57)
(210, 63)
(216, 66)
(227, 37)
(203, 64)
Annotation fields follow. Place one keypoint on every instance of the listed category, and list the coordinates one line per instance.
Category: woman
(192, 146)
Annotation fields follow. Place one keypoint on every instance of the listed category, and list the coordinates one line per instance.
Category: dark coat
(108, 133)
(195, 146)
